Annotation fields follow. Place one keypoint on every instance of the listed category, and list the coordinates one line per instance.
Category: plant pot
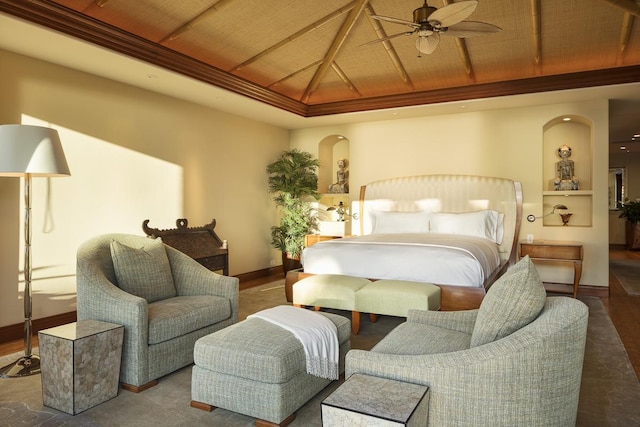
(632, 235)
(290, 262)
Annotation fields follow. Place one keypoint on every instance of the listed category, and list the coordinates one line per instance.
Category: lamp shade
(33, 150)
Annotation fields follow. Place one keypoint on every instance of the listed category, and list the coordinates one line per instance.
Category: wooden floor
(623, 309)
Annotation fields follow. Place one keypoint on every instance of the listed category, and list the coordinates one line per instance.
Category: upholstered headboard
(447, 193)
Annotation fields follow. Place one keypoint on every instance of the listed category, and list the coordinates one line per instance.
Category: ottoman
(335, 291)
(258, 369)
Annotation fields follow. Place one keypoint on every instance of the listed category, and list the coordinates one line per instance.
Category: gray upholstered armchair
(165, 300)
(516, 361)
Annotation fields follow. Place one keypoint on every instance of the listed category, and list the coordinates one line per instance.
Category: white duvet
(422, 257)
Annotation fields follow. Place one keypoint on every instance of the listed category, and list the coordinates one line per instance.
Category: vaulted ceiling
(312, 57)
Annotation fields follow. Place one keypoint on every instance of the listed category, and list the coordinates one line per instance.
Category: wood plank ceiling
(310, 57)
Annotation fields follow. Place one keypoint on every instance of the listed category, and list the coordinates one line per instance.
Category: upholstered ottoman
(335, 291)
(258, 369)
(397, 297)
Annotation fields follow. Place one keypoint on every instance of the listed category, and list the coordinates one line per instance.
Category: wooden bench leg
(373, 317)
(355, 322)
(316, 308)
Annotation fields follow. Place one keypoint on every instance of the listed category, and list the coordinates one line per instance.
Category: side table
(80, 364)
(364, 400)
(556, 250)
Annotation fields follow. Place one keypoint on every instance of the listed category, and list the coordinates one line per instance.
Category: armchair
(165, 300)
(515, 361)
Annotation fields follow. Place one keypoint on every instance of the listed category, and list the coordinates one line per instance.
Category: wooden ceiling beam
(195, 21)
(345, 79)
(302, 32)
(295, 73)
(625, 35)
(463, 52)
(536, 35)
(628, 6)
(344, 31)
(391, 52)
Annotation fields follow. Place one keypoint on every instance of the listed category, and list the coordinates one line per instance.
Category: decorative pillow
(143, 271)
(479, 224)
(399, 222)
(512, 302)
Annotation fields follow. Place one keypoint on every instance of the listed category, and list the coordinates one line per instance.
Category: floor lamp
(29, 151)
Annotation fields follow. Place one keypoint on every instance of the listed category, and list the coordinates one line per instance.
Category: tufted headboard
(447, 193)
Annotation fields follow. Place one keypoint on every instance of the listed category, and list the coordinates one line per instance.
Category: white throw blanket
(318, 335)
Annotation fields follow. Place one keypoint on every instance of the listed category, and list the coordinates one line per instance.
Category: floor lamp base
(23, 367)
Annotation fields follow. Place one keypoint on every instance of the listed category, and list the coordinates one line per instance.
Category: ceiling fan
(429, 23)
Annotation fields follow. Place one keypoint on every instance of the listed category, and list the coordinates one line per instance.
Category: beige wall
(223, 158)
(505, 143)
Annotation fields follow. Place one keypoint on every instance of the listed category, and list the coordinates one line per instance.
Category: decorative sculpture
(342, 184)
(565, 171)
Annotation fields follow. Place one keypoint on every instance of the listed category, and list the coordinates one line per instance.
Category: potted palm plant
(630, 211)
(294, 182)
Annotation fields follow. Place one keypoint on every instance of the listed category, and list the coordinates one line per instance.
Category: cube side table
(364, 400)
(80, 364)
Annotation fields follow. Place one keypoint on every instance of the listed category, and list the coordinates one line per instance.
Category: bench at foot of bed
(359, 295)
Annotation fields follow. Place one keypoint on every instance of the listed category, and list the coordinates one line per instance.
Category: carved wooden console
(200, 243)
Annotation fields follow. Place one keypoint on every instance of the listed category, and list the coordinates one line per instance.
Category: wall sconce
(532, 218)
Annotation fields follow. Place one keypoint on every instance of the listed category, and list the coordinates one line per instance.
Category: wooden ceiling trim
(305, 30)
(625, 35)
(195, 21)
(604, 77)
(391, 52)
(628, 6)
(335, 48)
(536, 35)
(67, 21)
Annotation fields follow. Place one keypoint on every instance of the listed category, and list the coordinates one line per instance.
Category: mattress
(422, 257)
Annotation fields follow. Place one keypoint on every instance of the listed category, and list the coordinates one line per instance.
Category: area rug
(609, 394)
(627, 271)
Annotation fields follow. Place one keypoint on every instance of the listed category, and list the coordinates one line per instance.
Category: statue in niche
(565, 171)
(342, 183)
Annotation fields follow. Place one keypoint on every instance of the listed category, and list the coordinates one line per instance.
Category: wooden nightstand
(312, 239)
(556, 250)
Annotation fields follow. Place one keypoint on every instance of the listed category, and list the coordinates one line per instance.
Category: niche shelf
(576, 132)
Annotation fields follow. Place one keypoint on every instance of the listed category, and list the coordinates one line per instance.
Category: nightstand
(556, 250)
(312, 239)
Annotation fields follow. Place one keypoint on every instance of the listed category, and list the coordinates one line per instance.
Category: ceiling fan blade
(395, 20)
(470, 29)
(428, 44)
(453, 13)
(406, 33)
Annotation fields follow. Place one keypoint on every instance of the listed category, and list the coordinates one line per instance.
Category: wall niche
(575, 132)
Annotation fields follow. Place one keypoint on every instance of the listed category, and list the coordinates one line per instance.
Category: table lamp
(27, 151)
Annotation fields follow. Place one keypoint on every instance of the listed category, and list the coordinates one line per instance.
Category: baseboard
(585, 290)
(259, 274)
(16, 332)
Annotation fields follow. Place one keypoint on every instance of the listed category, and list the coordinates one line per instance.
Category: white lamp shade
(33, 150)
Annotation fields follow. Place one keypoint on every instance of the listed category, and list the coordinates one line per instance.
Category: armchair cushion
(143, 271)
(511, 303)
(174, 317)
(411, 338)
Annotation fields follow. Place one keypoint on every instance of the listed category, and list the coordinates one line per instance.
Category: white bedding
(423, 257)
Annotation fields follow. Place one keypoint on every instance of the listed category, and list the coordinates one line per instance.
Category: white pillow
(399, 222)
(485, 224)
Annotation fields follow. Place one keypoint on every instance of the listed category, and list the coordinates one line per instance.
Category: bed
(459, 232)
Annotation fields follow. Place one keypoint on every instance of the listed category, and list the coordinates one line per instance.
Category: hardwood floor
(623, 309)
